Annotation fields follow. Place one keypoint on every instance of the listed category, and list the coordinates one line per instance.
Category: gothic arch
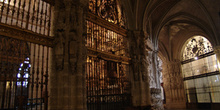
(206, 25)
(187, 18)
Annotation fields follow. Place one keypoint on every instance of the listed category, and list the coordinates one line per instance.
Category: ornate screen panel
(108, 87)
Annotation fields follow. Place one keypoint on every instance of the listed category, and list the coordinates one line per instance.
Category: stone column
(67, 79)
(155, 86)
(217, 52)
(138, 70)
(174, 85)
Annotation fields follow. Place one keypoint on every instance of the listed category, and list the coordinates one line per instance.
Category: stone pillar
(174, 85)
(67, 79)
(217, 52)
(155, 86)
(138, 70)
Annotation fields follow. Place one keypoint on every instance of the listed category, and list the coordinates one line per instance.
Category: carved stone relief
(69, 35)
(69, 54)
(138, 56)
(150, 70)
(156, 99)
(154, 76)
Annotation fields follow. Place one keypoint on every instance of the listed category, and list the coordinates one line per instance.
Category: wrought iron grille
(33, 15)
(107, 85)
(103, 39)
(23, 75)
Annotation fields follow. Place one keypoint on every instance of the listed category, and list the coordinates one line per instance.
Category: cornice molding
(25, 35)
(107, 56)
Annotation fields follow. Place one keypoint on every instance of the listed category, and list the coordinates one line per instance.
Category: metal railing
(33, 15)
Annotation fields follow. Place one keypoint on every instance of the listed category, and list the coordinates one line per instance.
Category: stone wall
(173, 85)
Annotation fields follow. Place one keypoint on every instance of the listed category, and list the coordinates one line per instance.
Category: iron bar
(33, 75)
(41, 16)
(22, 14)
(13, 12)
(45, 19)
(49, 22)
(37, 17)
(28, 15)
(46, 81)
(38, 72)
(42, 76)
(33, 17)
(6, 19)
(18, 12)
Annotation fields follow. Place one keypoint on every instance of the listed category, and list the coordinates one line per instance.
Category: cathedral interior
(109, 54)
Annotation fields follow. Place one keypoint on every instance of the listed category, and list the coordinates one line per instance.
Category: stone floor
(187, 109)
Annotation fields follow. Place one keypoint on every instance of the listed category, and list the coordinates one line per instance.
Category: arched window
(196, 46)
(23, 73)
(200, 72)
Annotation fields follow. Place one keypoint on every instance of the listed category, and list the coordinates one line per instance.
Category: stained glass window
(200, 71)
(196, 46)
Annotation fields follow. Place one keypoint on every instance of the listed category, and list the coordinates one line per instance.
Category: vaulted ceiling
(169, 23)
(173, 24)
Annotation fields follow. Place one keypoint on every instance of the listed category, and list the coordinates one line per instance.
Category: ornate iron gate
(24, 55)
(23, 74)
(107, 85)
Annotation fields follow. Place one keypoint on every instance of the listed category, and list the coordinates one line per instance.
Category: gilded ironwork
(105, 24)
(102, 39)
(107, 84)
(108, 87)
(195, 47)
(109, 10)
(33, 15)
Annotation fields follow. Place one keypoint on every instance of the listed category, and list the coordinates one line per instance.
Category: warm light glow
(5, 1)
(216, 66)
